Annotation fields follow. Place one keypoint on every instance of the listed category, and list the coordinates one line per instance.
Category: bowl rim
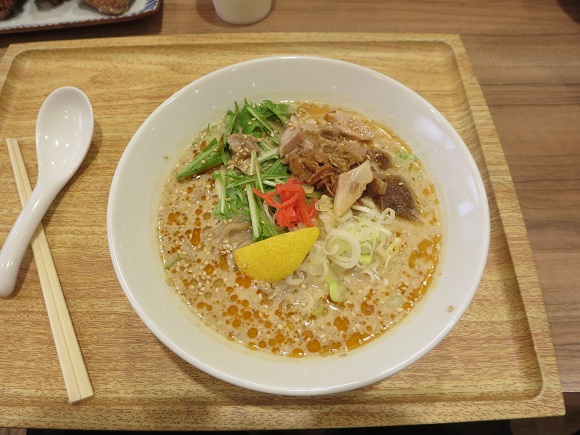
(236, 380)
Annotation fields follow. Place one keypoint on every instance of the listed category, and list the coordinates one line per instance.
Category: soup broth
(297, 316)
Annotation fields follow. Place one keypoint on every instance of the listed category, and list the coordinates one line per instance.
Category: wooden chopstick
(76, 378)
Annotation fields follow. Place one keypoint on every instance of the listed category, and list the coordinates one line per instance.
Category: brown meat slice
(347, 155)
(314, 169)
(241, 147)
(379, 157)
(327, 150)
(357, 150)
(305, 165)
(399, 197)
(322, 173)
(110, 7)
(299, 167)
(242, 144)
(349, 126)
(376, 187)
(291, 137)
(329, 131)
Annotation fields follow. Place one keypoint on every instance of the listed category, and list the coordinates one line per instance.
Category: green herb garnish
(265, 121)
(210, 157)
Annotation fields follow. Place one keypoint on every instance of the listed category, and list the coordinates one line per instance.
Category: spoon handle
(19, 237)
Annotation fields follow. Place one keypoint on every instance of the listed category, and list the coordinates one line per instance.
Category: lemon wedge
(275, 258)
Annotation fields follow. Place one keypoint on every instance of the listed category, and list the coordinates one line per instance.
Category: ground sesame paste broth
(297, 316)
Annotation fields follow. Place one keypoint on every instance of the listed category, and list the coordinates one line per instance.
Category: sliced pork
(337, 150)
(379, 158)
(291, 137)
(349, 126)
(241, 147)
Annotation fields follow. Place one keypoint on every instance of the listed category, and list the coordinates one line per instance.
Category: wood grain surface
(526, 55)
(497, 363)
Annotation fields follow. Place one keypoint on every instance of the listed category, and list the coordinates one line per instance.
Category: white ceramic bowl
(142, 170)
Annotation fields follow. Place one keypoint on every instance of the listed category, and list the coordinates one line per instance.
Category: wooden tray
(497, 363)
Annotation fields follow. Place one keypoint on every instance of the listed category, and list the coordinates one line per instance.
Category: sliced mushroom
(398, 196)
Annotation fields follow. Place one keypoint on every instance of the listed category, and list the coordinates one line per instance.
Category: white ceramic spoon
(64, 130)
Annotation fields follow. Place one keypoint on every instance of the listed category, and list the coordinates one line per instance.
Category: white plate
(142, 170)
(40, 15)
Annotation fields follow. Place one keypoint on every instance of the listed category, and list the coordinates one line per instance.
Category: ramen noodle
(374, 285)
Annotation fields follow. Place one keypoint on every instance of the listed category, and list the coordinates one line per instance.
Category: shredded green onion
(365, 259)
(337, 292)
(175, 260)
